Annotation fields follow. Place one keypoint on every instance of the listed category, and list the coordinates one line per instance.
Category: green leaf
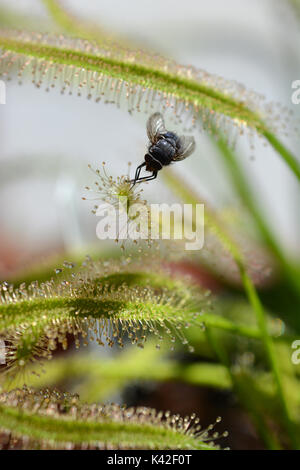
(244, 191)
(143, 79)
(214, 224)
(56, 420)
(106, 302)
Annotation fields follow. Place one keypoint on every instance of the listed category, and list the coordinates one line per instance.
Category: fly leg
(137, 174)
(147, 178)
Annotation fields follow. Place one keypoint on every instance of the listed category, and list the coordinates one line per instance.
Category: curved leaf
(56, 420)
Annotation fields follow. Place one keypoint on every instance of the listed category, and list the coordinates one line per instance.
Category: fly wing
(186, 147)
(155, 127)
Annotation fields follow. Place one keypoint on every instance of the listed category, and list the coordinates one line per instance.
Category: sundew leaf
(110, 302)
(103, 301)
(57, 420)
(185, 84)
(145, 81)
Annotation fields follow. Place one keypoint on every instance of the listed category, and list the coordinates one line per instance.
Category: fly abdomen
(159, 155)
(163, 151)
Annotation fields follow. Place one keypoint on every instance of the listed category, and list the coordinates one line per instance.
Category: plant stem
(70, 24)
(287, 156)
(251, 293)
(243, 189)
(265, 433)
(269, 347)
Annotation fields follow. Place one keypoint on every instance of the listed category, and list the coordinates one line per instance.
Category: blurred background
(47, 141)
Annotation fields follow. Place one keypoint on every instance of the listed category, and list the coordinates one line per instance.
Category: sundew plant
(144, 344)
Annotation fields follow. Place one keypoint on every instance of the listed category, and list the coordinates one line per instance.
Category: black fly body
(164, 148)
